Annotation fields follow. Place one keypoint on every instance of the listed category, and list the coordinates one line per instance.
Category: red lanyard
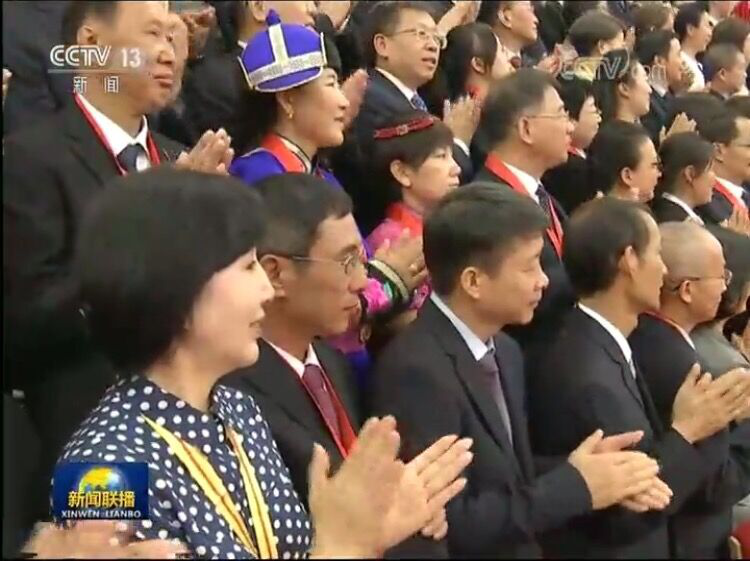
(736, 203)
(410, 220)
(499, 169)
(153, 151)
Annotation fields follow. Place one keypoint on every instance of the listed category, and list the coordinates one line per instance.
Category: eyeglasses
(727, 278)
(564, 115)
(349, 263)
(424, 35)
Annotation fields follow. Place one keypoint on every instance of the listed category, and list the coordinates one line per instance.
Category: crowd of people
(381, 279)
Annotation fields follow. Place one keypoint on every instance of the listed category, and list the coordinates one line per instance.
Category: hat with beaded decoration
(283, 57)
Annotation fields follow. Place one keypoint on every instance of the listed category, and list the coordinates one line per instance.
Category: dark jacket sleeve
(425, 411)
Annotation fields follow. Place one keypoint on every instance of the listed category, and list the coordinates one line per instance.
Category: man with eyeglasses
(597, 375)
(528, 132)
(402, 51)
(314, 258)
(662, 346)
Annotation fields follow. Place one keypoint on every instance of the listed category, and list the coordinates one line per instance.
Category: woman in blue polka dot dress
(173, 292)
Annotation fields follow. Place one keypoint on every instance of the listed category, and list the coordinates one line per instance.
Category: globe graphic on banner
(104, 478)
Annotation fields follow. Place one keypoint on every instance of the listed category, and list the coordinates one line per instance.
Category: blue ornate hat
(283, 57)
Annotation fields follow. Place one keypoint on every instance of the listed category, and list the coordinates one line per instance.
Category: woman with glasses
(176, 304)
(292, 109)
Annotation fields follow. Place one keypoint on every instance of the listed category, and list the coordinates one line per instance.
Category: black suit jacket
(582, 384)
(656, 119)
(52, 172)
(295, 422)
(717, 211)
(557, 298)
(382, 102)
(569, 183)
(30, 30)
(428, 378)
(666, 211)
(211, 91)
(702, 526)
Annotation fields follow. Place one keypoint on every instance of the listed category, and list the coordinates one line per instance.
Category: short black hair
(384, 18)
(616, 146)
(592, 27)
(701, 107)
(737, 257)
(650, 16)
(731, 30)
(616, 67)
(679, 151)
(596, 236)
(654, 44)
(296, 205)
(572, 11)
(148, 245)
(489, 10)
(739, 104)
(475, 226)
(722, 129)
(509, 98)
(464, 42)
(722, 56)
(412, 149)
(689, 15)
(79, 10)
(574, 92)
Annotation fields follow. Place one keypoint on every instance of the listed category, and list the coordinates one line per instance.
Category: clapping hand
(99, 539)
(354, 90)
(462, 117)
(211, 154)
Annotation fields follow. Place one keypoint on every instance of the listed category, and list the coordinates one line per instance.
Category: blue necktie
(418, 103)
(129, 156)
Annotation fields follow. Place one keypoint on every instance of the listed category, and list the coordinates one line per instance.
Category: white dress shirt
(529, 183)
(699, 81)
(684, 206)
(616, 334)
(297, 365)
(736, 190)
(477, 347)
(116, 136)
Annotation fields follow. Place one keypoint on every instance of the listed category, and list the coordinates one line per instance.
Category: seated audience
(693, 29)
(687, 178)
(589, 379)
(516, 26)
(593, 35)
(454, 371)
(725, 69)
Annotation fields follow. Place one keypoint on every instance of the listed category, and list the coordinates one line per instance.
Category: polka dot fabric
(178, 508)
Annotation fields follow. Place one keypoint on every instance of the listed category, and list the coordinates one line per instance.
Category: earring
(290, 114)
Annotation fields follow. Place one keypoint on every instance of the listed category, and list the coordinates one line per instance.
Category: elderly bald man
(664, 351)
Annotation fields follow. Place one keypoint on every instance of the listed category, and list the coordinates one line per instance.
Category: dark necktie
(129, 156)
(418, 103)
(315, 383)
(746, 197)
(544, 201)
(492, 372)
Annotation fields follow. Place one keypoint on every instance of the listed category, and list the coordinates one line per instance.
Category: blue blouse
(116, 432)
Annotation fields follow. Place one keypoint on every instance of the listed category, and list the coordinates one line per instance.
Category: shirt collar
(403, 88)
(529, 183)
(660, 89)
(297, 151)
(616, 334)
(736, 190)
(242, 44)
(296, 364)
(477, 347)
(684, 206)
(113, 133)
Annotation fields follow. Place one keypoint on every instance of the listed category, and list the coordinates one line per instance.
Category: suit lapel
(86, 148)
(469, 373)
(389, 89)
(342, 384)
(605, 340)
(276, 379)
